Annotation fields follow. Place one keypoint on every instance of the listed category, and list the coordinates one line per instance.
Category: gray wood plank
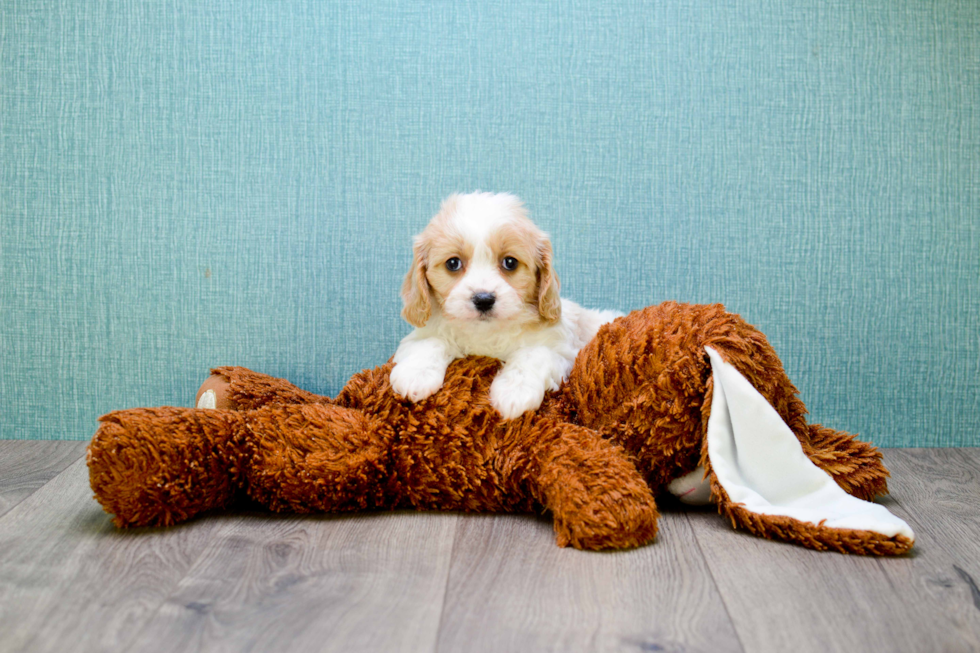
(367, 582)
(69, 580)
(26, 465)
(511, 588)
(941, 494)
(407, 581)
(782, 597)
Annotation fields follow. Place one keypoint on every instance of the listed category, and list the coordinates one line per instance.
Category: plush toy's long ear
(764, 482)
(415, 289)
(549, 300)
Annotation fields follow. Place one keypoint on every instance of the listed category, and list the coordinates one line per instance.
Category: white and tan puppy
(482, 283)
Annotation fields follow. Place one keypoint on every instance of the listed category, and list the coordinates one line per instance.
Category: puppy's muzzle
(483, 301)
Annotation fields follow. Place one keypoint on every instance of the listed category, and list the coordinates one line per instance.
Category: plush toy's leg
(316, 457)
(239, 388)
(160, 466)
(764, 482)
(597, 498)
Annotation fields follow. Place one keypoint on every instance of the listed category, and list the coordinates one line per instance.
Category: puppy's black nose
(484, 301)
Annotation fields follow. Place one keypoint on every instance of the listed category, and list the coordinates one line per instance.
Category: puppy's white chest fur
(576, 327)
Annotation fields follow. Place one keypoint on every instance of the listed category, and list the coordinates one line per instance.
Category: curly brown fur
(656, 406)
(638, 398)
(245, 389)
(372, 451)
(855, 465)
(162, 466)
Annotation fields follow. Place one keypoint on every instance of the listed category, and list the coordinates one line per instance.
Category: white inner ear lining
(761, 464)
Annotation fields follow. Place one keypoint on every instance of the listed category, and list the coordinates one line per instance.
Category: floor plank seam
(714, 581)
(445, 587)
(10, 509)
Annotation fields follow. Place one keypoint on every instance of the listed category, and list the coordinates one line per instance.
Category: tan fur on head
(549, 300)
(482, 283)
(415, 288)
(482, 230)
(432, 244)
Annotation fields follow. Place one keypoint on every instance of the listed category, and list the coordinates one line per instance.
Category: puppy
(482, 283)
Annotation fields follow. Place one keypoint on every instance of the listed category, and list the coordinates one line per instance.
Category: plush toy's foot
(693, 488)
(607, 521)
(597, 498)
(213, 393)
(239, 388)
(161, 466)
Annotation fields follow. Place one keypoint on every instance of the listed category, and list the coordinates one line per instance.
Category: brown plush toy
(655, 397)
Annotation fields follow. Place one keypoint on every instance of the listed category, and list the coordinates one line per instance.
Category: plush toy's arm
(239, 388)
(597, 498)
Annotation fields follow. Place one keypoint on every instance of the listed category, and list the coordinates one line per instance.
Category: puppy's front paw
(514, 394)
(415, 382)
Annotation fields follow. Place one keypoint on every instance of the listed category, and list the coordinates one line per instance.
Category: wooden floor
(69, 581)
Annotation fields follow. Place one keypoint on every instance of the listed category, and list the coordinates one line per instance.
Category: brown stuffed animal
(655, 395)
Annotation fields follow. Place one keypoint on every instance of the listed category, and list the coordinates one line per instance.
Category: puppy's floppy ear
(415, 288)
(549, 301)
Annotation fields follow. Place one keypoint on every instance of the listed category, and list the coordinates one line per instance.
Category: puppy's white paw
(415, 383)
(514, 394)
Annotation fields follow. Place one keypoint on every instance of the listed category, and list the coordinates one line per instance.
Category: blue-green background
(193, 183)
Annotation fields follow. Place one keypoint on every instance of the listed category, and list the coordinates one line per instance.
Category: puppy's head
(481, 259)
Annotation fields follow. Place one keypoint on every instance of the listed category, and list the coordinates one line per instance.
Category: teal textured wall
(201, 182)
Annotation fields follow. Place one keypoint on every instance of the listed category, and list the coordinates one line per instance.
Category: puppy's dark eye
(454, 264)
(509, 263)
